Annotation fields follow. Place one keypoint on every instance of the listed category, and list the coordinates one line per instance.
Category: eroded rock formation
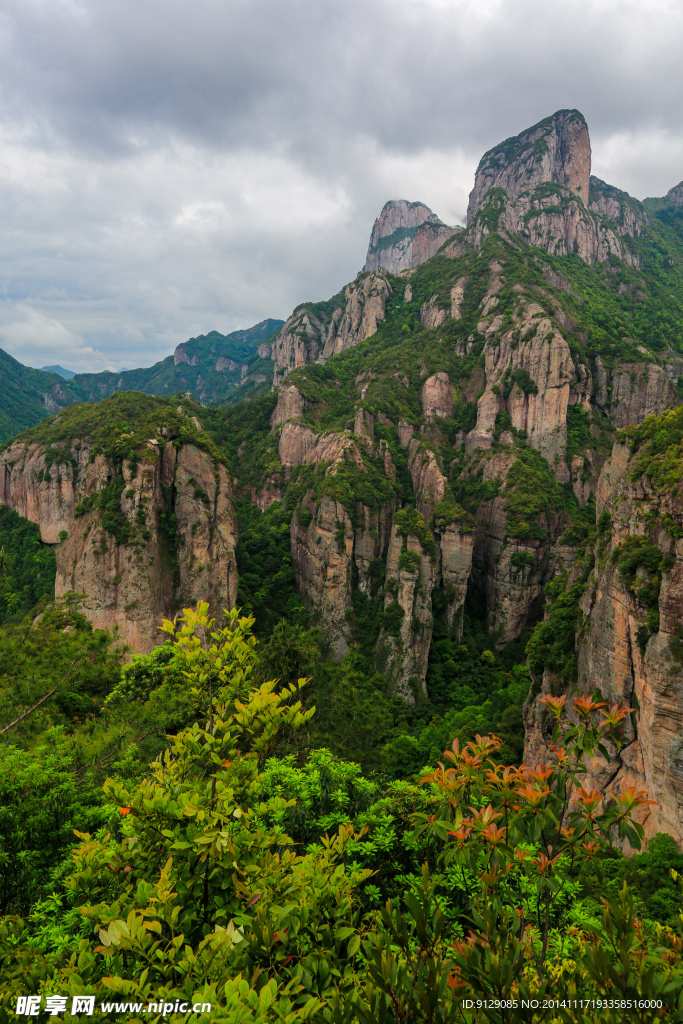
(308, 336)
(536, 185)
(164, 534)
(405, 235)
(629, 647)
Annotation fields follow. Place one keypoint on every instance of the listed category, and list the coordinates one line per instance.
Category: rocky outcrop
(322, 554)
(429, 483)
(625, 214)
(226, 365)
(314, 334)
(556, 149)
(405, 235)
(629, 392)
(530, 373)
(295, 442)
(675, 194)
(456, 547)
(301, 340)
(437, 397)
(290, 405)
(629, 648)
(363, 311)
(431, 314)
(536, 186)
(403, 652)
(167, 514)
(181, 355)
(327, 546)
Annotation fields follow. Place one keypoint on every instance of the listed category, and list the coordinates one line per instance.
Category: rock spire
(405, 235)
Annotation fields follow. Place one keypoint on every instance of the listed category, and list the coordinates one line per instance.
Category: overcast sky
(170, 167)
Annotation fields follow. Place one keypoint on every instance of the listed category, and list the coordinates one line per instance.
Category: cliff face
(629, 641)
(405, 235)
(138, 537)
(459, 453)
(310, 336)
(536, 185)
(403, 647)
(528, 383)
(675, 194)
(629, 392)
(556, 149)
(529, 373)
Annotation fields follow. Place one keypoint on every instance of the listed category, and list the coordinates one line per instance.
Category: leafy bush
(410, 523)
(409, 561)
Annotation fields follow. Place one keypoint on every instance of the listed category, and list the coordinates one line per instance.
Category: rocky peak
(405, 235)
(537, 186)
(181, 355)
(675, 194)
(556, 150)
(625, 214)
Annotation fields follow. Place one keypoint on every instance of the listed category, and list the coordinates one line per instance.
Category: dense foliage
(279, 887)
(23, 390)
(27, 566)
(22, 395)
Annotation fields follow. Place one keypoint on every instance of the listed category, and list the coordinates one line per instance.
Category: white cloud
(37, 340)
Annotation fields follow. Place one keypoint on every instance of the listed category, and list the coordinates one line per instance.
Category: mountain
(405, 235)
(480, 444)
(60, 371)
(217, 368)
(440, 438)
(26, 395)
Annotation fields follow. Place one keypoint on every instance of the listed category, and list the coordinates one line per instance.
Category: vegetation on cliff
(278, 819)
(27, 567)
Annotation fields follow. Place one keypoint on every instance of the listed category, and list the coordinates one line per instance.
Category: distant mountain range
(216, 368)
(60, 371)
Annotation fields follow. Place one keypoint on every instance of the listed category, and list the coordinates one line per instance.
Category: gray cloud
(167, 168)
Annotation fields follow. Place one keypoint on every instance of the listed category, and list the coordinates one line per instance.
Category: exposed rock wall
(535, 353)
(629, 392)
(130, 584)
(437, 397)
(536, 185)
(556, 149)
(456, 548)
(405, 235)
(626, 215)
(308, 336)
(675, 194)
(625, 666)
(404, 656)
(429, 483)
(322, 553)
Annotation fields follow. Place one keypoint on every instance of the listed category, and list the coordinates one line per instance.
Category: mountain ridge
(217, 367)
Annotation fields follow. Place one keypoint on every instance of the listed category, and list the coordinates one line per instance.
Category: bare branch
(27, 713)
